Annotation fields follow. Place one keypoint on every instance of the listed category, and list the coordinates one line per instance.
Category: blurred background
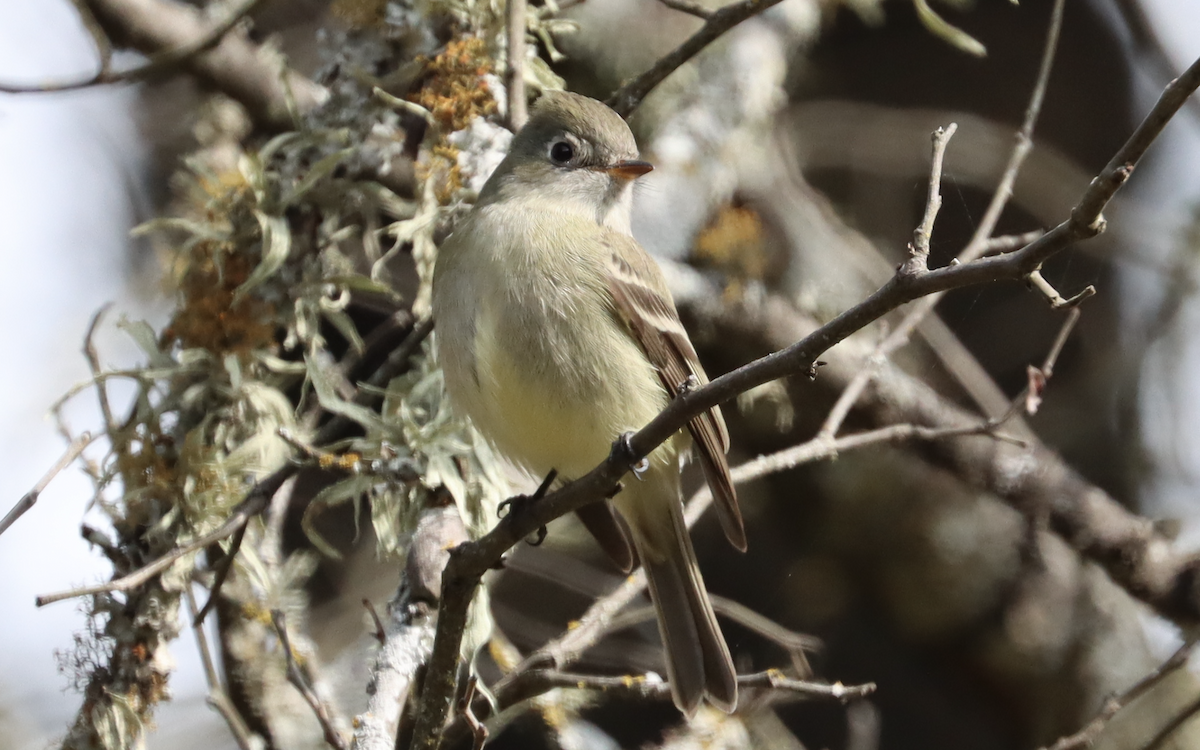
(792, 160)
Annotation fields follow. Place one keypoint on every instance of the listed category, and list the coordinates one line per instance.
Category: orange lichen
(149, 473)
(450, 182)
(341, 461)
(209, 315)
(733, 241)
(453, 88)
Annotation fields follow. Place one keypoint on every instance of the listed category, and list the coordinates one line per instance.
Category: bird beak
(629, 170)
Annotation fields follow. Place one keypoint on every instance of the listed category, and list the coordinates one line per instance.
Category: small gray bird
(557, 334)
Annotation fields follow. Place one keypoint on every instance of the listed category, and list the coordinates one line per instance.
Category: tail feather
(698, 661)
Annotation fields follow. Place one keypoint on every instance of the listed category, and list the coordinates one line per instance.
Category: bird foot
(519, 503)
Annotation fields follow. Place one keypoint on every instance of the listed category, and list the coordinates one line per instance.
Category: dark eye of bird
(562, 152)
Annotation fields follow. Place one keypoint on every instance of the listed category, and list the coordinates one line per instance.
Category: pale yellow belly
(562, 412)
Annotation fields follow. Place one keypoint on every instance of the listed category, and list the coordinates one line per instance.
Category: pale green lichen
(267, 248)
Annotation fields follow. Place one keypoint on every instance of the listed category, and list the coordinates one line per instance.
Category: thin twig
(1164, 734)
(783, 637)
(627, 98)
(30, 498)
(514, 71)
(380, 634)
(1056, 300)
(979, 245)
(298, 679)
(653, 687)
(1008, 242)
(689, 7)
(919, 249)
(224, 566)
(254, 504)
(217, 697)
(158, 63)
(93, 360)
(991, 216)
(796, 644)
(469, 562)
(234, 65)
(917, 262)
(479, 732)
(1087, 736)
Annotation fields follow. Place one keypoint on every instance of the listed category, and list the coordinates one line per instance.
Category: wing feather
(644, 304)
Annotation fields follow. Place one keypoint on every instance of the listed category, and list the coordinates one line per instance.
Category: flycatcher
(557, 334)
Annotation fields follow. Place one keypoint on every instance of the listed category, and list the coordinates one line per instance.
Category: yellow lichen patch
(343, 461)
(209, 317)
(220, 191)
(734, 242)
(555, 715)
(359, 14)
(450, 182)
(254, 612)
(453, 89)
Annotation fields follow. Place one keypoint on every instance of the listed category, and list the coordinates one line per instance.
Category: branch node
(1037, 282)
(478, 730)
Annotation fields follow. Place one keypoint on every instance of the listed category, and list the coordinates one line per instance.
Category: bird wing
(644, 304)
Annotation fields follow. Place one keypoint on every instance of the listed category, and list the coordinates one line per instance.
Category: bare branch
(627, 98)
(979, 241)
(1056, 300)
(1087, 736)
(643, 686)
(159, 62)
(1164, 734)
(406, 640)
(174, 34)
(479, 732)
(28, 500)
(297, 677)
(217, 697)
(514, 70)
(796, 644)
(99, 38)
(919, 249)
(254, 504)
(1008, 242)
(689, 7)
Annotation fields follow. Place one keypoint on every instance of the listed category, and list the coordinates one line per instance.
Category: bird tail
(698, 661)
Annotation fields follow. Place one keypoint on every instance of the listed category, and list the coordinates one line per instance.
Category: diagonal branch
(176, 35)
(627, 98)
(27, 501)
(159, 62)
(470, 561)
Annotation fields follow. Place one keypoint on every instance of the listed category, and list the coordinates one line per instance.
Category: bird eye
(562, 152)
